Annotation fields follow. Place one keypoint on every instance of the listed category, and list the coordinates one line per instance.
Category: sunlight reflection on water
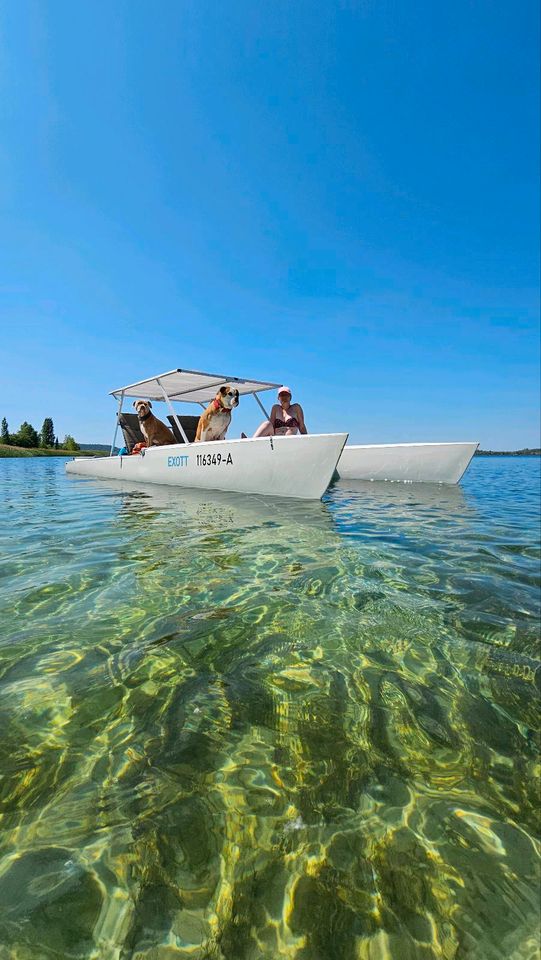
(245, 728)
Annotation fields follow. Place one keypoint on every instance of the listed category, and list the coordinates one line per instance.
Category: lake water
(245, 729)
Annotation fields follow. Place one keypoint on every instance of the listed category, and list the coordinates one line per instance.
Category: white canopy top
(189, 386)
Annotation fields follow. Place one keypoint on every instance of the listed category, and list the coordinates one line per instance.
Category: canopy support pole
(119, 411)
(256, 398)
(173, 413)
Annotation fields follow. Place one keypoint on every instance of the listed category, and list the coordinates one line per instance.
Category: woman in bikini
(286, 418)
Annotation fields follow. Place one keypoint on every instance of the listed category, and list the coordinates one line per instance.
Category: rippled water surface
(247, 729)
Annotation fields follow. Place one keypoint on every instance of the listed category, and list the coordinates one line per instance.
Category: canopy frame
(253, 387)
(190, 386)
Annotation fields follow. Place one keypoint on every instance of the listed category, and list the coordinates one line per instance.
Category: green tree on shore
(26, 436)
(70, 443)
(47, 433)
(56, 443)
(4, 433)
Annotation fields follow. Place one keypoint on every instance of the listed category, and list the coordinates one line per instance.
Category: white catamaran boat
(295, 466)
(418, 462)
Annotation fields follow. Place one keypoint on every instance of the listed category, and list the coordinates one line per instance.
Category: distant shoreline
(100, 450)
(10, 451)
(527, 452)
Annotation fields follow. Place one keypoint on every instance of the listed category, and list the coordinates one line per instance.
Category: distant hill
(527, 452)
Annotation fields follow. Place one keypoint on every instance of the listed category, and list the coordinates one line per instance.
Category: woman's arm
(300, 419)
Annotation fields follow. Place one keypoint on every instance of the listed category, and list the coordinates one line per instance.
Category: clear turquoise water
(248, 729)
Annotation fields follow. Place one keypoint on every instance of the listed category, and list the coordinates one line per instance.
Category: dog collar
(146, 416)
(217, 405)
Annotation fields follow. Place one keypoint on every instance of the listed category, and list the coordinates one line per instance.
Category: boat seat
(189, 425)
(131, 431)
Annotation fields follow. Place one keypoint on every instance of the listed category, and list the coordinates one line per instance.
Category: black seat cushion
(189, 425)
(129, 424)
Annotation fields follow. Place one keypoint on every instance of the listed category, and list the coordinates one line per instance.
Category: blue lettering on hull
(177, 461)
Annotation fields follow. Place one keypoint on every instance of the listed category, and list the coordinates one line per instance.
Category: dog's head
(228, 396)
(142, 407)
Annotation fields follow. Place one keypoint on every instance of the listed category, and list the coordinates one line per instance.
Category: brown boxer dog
(213, 423)
(154, 431)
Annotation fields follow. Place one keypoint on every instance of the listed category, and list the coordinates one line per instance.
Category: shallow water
(246, 729)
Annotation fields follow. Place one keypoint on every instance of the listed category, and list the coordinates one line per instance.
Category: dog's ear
(148, 403)
(135, 402)
(223, 390)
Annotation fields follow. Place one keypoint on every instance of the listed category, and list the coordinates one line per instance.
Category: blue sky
(342, 196)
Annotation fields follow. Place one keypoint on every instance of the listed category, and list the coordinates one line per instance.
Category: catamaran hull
(298, 466)
(418, 462)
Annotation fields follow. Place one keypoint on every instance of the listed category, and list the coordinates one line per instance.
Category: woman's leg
(265, 429)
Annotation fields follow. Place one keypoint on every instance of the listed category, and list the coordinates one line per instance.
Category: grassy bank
(10, 451)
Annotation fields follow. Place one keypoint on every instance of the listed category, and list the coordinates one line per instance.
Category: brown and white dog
(154, 431)
(213, 423)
